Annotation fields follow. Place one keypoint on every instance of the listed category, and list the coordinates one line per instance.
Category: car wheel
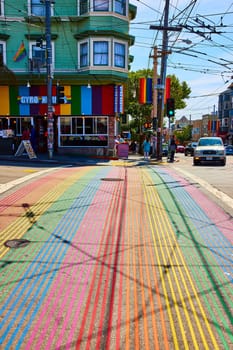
(195, 163)
(223, 163)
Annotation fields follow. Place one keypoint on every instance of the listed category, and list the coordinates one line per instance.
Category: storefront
(85, 124)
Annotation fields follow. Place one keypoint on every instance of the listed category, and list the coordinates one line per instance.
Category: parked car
(189, 149)
(229, 150)
(180, 149)
(209, 150)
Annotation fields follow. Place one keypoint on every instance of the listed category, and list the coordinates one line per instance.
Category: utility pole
(50, 121)
(155, 99)
(155, 82)
(161, 91)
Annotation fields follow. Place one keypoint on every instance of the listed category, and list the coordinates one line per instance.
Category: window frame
(30, 6)
(102, 2)
(3, 43)
(111, 4)
(83, 138)
(111, 53)
(106, 54)
(2, 8)
(33, 43)
(87, 55)
(124, 11)
(125, 44)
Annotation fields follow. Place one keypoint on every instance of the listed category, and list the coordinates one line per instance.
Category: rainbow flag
(145, 90)
(21, 53)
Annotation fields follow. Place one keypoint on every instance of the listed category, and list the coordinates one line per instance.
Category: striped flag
(21, 53)
(145, 93)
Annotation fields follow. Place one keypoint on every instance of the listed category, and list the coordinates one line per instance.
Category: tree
(184, 135)
(179, 91)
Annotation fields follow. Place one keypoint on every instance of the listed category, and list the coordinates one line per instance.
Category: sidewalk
(72, 159)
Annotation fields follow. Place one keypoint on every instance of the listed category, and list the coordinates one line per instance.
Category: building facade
(225, 110)
(89, 42)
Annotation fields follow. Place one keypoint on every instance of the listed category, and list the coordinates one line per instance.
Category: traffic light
(60, 94)
(170, 107)
(147, 125)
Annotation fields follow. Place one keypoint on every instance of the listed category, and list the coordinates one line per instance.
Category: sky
(201, 54)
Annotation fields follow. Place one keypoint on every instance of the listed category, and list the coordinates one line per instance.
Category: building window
(83, 54)
(3, 52)
(37, 55)
(37, 8)
(119, 55)
(101, 5)
(1, 7)
(117, 6)
(83, 131)
(83, 7)
(104, 52)
(100, 53)
(120, 7)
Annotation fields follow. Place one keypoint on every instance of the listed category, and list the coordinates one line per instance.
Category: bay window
(117, 6)
(100, 5)
(120, 7)
(100, 53)
(119, 55)
(83, 54)
(104, 52)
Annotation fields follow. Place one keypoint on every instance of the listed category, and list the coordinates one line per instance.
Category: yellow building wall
(4, 100)
(65, 109)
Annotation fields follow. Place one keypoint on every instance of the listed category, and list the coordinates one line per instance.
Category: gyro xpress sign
(39, 99)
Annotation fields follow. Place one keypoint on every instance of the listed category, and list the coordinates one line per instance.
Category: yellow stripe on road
(177, 275)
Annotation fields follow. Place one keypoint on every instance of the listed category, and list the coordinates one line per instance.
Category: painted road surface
(125, 256)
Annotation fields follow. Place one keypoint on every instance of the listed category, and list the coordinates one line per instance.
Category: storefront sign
(39, 100)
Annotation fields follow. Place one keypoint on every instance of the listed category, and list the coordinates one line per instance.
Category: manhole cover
(111, 179)
(17, 243)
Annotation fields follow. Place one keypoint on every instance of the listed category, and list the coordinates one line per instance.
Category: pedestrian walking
(146, 147)
(172, 148)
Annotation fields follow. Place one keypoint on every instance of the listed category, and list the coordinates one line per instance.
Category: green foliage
(179, 91)
(183, 135)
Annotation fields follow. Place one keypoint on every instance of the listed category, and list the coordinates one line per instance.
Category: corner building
(90, 58)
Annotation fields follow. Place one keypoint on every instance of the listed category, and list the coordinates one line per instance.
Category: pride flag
(145, 90)
(21, 53)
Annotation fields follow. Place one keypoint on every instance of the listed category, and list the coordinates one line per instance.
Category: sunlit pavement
(125, 256)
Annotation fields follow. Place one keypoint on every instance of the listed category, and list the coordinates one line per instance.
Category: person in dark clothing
(33, 137)
(172, 148)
